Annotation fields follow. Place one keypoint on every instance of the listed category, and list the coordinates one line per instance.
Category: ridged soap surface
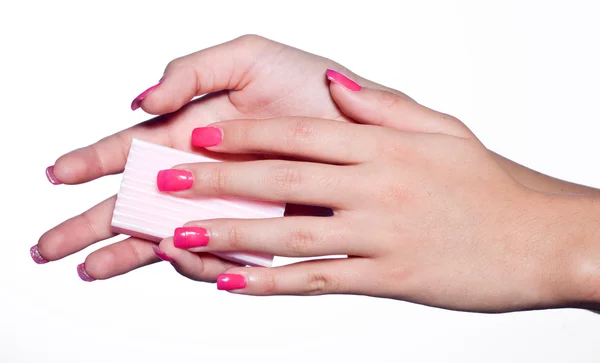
(143, 211)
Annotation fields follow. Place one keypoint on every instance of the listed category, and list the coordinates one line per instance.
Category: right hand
(260, 78)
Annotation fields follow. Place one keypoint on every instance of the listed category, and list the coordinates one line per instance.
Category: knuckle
(318, 283)
(391, 102)
(454, 124)
(235, 238)
(88, 222)
(218, 179)
(449, 118)
(175, 63)
(100, 168)
(300, 130)
(251, 39)
(299, 242)
(269, 284)
(285, 178)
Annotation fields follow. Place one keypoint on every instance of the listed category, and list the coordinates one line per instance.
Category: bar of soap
(143, 211)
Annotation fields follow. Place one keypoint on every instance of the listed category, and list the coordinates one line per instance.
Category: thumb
(222, 67)
(389, 109)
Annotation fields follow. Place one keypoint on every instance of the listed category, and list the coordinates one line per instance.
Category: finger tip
(49, 245)
(229, 281)
(161, 254)
(51, 176)
(36, 256)
(69, 168)
(135, 104)
(83, 273)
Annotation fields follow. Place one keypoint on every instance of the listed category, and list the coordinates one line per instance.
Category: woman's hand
(262, 78)
(424, 212)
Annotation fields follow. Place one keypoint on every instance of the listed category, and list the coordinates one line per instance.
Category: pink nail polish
(137, 102)
(163, 256)
(339, 78)
(83, 273)
(207, 136)
(230, 282)
(189, 237)
(35, 255)
(174, 180)
(51, 177)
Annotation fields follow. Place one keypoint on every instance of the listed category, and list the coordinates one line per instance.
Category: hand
(263, 79)
(424, 212)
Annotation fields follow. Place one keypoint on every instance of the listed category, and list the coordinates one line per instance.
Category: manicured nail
(207, 136)
(174, 180)
(163, 256)
(51, 177)
(339, 78)
(189, 237)
(137, 102)
(83, 273)
(35, 254)
(230, 282)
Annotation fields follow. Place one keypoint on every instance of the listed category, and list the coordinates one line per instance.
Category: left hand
(423, 212)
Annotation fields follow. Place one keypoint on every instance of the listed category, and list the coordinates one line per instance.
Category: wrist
(570, 261)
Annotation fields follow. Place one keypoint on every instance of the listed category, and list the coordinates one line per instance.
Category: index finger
(107, 156)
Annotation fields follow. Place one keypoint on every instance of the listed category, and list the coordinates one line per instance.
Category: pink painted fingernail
(83, 273)
(137, 102)
(339, 78)
(51, 177)
(174, 180)
(207, 136)
(230, 282)
(163, 256)
(189, 237)
(35, 255)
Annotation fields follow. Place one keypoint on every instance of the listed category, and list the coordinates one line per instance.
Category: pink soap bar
(143, 211)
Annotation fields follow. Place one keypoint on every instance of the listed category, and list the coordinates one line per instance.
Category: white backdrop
(523, 75)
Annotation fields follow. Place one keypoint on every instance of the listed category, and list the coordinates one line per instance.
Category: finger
(264, 180)
(301, 137)
(79, 232)
(195, 266)
(117, 259)
(287, 236)
(226, 66)
(318, 277)
(107, 156)
(388, 109)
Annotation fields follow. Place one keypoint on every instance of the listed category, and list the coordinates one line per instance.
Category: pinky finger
(316, 277)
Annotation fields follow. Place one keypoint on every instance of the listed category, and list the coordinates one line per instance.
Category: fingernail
(188, 237)
(207, 136)
(83, 273)
(339, 78)
(173, 180)
(230, 282)
(163, 256)
(35, 255)
(51, 177)
(137, 102)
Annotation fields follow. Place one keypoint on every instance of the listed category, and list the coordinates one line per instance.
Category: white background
(522, 74)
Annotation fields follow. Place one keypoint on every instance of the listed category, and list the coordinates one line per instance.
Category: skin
(247, 78)
(437, 221)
